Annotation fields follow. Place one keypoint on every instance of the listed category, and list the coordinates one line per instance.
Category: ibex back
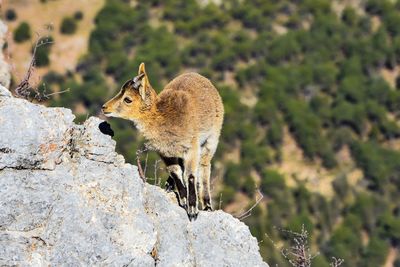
(182, 123)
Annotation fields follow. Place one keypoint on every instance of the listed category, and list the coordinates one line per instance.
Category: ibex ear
(145, 81)
(141, 69)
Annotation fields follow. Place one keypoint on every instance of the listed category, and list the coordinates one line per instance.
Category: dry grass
(67, 49)
(390, 76)
(391, 257)
(295, 167)
(339, 5)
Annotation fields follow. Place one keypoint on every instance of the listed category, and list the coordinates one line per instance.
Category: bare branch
(139, 164)
(145, 163)
(24, 88)
(156, 180)
(336, 262)
(299, 254)
(56, 93)
(248, 212)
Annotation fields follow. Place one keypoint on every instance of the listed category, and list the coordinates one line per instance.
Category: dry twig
(299, 254)
(247, 213)
(139, 164)
(336, 262)
(145, 164)
(156, 180)
(220, 201)
(23, 89)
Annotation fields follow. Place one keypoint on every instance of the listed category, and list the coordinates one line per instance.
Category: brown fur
(183, 122)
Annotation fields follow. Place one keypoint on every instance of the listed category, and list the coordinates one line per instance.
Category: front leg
(175, 180)
(191, 162)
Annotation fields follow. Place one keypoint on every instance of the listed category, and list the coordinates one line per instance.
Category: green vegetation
(320, 80)
(11, 15)
(68, 25)
(78, 15)
(22, 33)
(42, 52)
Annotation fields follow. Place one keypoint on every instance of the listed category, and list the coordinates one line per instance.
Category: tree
(22, 32)
(78, 15)
(11, 15)
(272, 183)
(349, 16)
(42, 52)
(375, 253)
(68, 26)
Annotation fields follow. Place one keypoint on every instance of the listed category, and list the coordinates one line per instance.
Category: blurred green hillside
(312, 98)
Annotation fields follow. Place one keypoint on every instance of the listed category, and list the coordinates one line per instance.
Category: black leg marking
(170, 184)
(192, 197)
(207, 203)
(181, 191)
(179, 187)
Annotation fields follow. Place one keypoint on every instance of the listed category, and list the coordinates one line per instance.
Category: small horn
(139, 77)
(137, 81)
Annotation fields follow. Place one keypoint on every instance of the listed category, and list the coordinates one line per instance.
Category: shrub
(42, 52)
(11, 15)
(379, 164)
(78, 15)
(349, 16)
(272, 183)
(275, 134)
(227, 195)
(232, 175)
(375, 253)
(68, 26)
(22, 32)
(390, 227)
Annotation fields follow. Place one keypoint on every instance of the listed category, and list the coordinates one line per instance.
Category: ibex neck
(151, 124)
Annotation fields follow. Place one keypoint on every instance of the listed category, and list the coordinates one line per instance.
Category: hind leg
(207, 153)
(191, 163)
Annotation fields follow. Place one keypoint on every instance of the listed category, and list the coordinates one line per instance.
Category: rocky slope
(4, 68)
(67, 198)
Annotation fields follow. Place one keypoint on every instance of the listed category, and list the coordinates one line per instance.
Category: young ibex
(182, 123)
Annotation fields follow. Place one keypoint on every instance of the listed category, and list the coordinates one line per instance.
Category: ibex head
(135, 97)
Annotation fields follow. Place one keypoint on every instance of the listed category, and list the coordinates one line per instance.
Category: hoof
(208, 208)
(192, 213)
(192, 217)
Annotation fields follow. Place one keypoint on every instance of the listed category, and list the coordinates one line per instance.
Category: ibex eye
(127, 100)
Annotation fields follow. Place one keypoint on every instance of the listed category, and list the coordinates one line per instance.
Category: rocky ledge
(67, 198)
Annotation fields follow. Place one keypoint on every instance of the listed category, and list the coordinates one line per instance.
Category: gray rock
(32, 136)
(67, 198)
(4, 67)
(4, 92)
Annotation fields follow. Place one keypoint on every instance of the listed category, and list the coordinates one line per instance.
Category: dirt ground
(66, 50)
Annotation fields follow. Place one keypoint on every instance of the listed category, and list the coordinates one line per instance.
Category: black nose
(103, 107)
